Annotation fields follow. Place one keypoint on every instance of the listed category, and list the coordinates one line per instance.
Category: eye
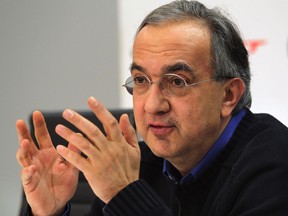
(176, 81)
(141, 80)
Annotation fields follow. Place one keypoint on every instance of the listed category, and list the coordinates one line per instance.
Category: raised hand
(113, 161)
(48, 180)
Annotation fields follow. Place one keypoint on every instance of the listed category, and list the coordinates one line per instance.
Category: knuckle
(76, 160)
(95, 131)
(113, 122)
(133, 131)
(86, 145)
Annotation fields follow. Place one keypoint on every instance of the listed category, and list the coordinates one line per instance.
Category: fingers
(27, 175)
(128, 131)
(95, 137)
(26, 144)
(27, 149)
(23, 154)
(41, 132)
(23, 133)
(113, 130)
(94, 134)
(81, 142)
(73, 148)
(73, 158)
(109, 122)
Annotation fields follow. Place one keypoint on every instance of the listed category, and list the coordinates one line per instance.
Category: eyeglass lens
(169, 84)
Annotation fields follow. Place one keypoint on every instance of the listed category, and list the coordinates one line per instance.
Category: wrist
(65, 211)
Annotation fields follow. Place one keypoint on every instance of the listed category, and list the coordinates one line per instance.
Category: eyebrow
(178, 66)
(134, 66)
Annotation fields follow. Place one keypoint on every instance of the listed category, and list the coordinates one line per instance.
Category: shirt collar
(214, 151)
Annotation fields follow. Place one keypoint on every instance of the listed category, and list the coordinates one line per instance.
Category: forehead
(158, 45)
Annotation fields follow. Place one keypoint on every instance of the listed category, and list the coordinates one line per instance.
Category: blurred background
(55, 54)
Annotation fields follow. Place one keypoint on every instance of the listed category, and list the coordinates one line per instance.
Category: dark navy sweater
(250, 177)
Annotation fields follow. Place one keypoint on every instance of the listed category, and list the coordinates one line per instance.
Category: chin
(161, 150)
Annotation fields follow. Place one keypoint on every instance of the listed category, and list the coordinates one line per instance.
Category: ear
(233, 90)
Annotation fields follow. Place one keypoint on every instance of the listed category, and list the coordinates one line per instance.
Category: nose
(156, 101)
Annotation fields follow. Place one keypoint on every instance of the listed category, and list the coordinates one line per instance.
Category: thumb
(29, 178)
(128, 131)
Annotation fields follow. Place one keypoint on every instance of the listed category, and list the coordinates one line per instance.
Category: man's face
(177, 128)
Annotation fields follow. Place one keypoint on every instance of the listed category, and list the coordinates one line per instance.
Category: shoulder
(260, 148)
(259, 135)
(264, 135)
(256, 170)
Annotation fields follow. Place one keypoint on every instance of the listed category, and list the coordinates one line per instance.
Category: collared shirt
(214, 151)
(67, 209)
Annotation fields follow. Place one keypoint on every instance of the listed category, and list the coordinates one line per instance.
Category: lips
(160, 129)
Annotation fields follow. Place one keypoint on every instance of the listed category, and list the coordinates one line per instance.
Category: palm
(54, 180)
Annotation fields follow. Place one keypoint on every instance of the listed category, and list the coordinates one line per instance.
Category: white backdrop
(264, 27)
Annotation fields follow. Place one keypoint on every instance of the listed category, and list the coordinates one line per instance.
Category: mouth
(161, 130)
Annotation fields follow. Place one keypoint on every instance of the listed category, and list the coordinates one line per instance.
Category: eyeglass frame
(131, 79)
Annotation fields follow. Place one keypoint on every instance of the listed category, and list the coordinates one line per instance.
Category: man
(208, 153)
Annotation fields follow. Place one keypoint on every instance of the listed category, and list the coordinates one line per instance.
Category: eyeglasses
(170, 84)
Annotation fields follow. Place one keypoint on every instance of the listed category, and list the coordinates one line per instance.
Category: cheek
(186, 108)
(197, 123)
(194, 113)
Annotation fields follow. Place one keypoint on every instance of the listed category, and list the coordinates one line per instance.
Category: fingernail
(59, 128)
(61, 149)
(93, 101)
(67, 114)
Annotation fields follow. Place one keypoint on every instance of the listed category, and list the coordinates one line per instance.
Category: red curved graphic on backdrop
(253, 45)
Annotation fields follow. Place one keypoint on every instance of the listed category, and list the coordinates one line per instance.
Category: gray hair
(229, 55)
